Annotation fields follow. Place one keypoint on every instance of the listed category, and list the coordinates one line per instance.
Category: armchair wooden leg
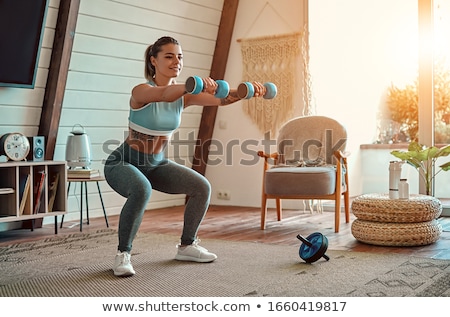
(263, 212)
(337, 213)
(279, 212)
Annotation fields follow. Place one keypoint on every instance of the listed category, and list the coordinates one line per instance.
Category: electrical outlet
(227, 194)
(224, 194)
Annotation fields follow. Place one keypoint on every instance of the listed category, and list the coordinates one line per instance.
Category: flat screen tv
(22, 25)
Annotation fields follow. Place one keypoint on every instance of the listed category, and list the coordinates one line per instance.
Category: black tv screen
(22, 25)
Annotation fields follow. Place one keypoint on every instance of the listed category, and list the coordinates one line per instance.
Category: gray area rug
(79, 265)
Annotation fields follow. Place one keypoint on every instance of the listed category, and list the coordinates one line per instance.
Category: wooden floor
(242, 224)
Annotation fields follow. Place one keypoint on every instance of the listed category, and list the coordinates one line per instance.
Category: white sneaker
(122, 264)
(194, 253)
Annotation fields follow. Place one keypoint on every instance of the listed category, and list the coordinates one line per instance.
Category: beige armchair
(310, 164)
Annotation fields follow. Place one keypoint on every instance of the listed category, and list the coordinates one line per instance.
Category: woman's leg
(173, 178)
(129, 182)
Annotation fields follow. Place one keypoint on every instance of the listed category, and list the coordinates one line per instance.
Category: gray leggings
(134, 175)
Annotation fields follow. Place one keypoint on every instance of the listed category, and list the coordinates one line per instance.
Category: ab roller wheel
(313, 247)
(246, 90)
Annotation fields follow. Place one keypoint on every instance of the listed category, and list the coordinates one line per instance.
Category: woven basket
(380, 208)
(396, 234)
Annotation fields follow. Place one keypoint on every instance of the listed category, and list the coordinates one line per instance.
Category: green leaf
(408, 156)
(415, 147)
(430, 153)
(404, 156)
(444, 151)
(445, 167)
(414, 164)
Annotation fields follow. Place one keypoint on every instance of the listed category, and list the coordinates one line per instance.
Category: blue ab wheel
(223, 89)
(271, 91)
(194, 85)
(313, 247)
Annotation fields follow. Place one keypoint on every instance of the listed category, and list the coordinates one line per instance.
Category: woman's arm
(206, 99)
(143, 94)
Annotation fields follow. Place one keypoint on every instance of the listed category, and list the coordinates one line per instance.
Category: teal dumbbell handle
(246, 90)
(194, 85)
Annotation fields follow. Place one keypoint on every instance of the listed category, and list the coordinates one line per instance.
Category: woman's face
(169, 61)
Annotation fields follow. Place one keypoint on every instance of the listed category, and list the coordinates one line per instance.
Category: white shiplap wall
(107, 61)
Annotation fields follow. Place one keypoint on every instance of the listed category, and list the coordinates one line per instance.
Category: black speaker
(37, 148)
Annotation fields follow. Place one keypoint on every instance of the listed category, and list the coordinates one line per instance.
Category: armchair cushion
(300, 180)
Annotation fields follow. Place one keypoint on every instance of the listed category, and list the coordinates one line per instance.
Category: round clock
(15, 146)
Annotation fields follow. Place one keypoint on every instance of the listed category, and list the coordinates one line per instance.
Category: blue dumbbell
(194, 85)
(246, 90)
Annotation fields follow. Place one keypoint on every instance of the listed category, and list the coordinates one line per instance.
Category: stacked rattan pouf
(396, 222)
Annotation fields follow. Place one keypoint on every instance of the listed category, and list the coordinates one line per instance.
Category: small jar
(403, 189)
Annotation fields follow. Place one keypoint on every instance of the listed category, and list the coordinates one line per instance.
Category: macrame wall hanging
(271, 59)
(309, 105)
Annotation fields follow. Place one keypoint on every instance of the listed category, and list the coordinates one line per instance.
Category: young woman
(139, 165)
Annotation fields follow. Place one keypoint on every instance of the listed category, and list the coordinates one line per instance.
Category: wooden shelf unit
(12, 176)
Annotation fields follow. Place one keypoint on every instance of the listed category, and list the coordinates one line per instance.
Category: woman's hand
(260, 89)
(209, 85)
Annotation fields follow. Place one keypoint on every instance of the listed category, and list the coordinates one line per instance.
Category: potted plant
(423, 159)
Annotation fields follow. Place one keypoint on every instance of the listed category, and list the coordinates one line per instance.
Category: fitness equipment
(194, 85)
(246, 90)
(313, 247)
